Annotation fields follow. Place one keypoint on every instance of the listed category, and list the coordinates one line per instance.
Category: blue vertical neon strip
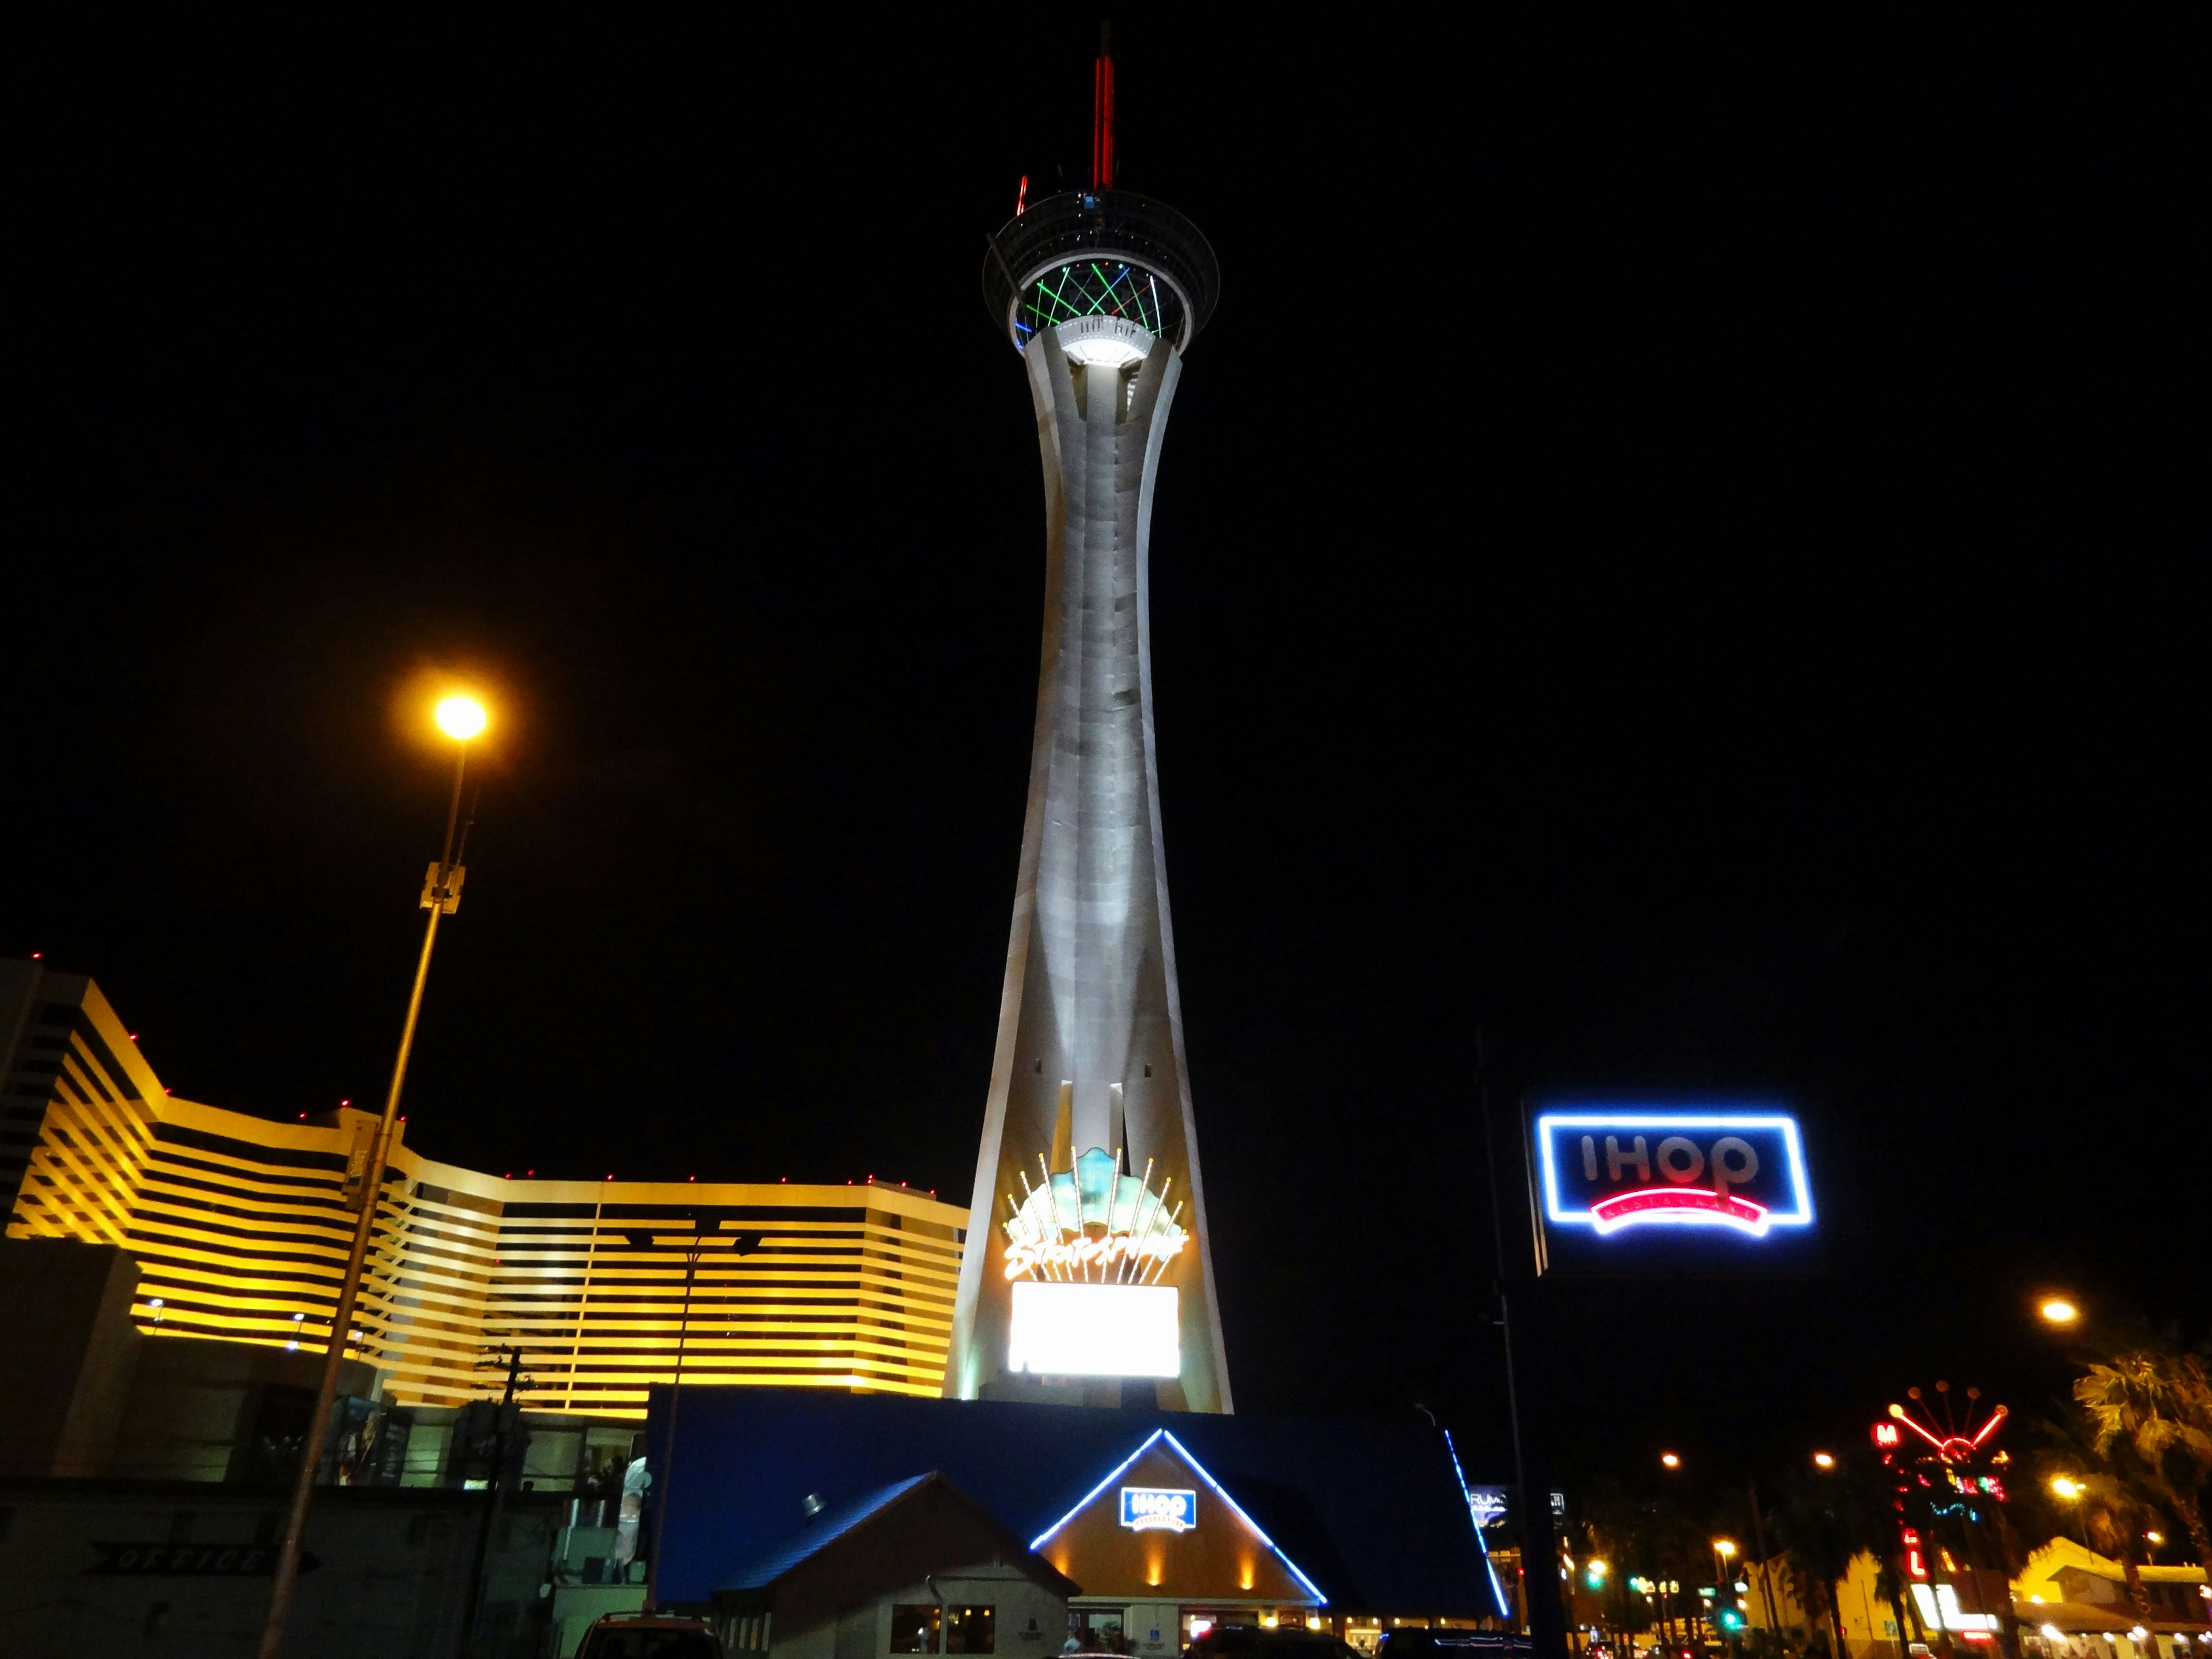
(1496, 1589)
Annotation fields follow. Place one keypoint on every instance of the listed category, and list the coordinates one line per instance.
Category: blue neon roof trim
(1183, 1452)
(1496, 1589)
(1083, 1503)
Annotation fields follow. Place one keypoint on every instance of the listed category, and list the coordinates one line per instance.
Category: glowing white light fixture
(1062, 1328)
(460, 717)
(1104, 342)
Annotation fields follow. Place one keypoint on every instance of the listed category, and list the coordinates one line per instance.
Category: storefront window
(970, 1630)
(1100, 1630)
(914, 1629)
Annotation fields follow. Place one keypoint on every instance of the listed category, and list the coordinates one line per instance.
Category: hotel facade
(241, 1225)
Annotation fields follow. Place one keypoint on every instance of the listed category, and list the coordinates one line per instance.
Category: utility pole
(509, 1417)
(1539, 1563)
(461, 718)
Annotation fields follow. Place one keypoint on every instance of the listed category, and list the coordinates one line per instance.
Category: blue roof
(827, 1529)
(1373, 1513)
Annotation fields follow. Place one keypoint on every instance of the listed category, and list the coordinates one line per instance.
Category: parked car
(650, 1635)
(1414, 1643)
(1256, 1642)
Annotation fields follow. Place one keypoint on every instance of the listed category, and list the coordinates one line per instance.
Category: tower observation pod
(1087, 1276)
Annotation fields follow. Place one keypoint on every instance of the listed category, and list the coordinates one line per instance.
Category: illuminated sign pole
(1947, 1478)
(1629, 1188)
(1539, 1591)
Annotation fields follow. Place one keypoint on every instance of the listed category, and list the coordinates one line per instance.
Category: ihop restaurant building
(1016, 1525)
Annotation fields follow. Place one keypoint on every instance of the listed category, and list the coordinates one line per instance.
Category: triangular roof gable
(859, 1516)
(1222, 1552)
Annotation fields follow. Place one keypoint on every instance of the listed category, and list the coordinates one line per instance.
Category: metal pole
(1505, 1330)
(489, 1525)
(287, 1572)
(668, 1470)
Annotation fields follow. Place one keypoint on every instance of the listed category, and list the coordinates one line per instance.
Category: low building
(915, 1567)
(92, 1566)
(241, 1226)
(2073, 1603)
(1171, 1522)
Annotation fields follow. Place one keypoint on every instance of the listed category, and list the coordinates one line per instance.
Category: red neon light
(1897, 1412)
(1915, 1563)
(1102, 111)
(1678, 1204)
(1022, 197)
(1886, 1434)
(1996, 1418)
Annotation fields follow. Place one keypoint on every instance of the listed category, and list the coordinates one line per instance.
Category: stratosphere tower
(1087, 1276)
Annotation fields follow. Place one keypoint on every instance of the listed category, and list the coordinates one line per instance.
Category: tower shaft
(1090, 1055)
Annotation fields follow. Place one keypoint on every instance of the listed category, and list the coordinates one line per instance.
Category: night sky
(1666, 553)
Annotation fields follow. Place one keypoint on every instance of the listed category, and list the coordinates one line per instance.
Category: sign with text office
(1677, 1189)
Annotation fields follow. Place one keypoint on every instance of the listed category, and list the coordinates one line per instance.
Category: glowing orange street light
(1669, 1461)
(459, 718)
(1823, 1460)
(2058, 1310)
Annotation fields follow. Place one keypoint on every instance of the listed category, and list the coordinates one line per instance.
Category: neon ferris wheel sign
(1610, 1172)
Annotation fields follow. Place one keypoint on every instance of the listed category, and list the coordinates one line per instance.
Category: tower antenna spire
(1102, 111)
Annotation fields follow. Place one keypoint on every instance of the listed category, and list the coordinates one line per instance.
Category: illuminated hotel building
(1093, 1279)
(240, 1227)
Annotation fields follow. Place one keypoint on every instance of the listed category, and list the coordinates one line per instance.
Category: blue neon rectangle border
(1801, 1186)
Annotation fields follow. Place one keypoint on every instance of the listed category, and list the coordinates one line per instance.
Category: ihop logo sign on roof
(1637, 1172)
(1159, 1508)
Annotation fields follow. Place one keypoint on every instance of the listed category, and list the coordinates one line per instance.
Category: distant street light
(1669, 1461)
(2066, 1489)
(1823, 1461)
(461, 718)
(2058, 1310)
(706, 1234)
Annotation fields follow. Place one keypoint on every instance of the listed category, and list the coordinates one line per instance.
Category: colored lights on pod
(461, 717)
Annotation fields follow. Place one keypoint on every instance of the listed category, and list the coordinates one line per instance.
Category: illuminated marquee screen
(1636, 1189)
(1065, 1327)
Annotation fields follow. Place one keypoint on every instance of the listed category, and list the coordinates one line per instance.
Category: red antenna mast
(1102, 111)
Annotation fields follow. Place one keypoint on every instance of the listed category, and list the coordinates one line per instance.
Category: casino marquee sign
(1634, 1190)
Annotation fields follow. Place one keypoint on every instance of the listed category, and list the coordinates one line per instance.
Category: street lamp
(695, 1244)
(459, 718)
(2058, 1311)
(1823, 1460)
(1668, 1460)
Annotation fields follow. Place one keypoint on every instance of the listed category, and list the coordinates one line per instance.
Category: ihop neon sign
(1631, 1172)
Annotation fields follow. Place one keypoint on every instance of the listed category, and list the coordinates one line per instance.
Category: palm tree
(2117, 1519)
(2159, 1404)
(1816, 1527)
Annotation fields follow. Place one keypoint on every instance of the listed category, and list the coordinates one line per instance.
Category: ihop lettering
(1157, 1509)
(1617, 1172)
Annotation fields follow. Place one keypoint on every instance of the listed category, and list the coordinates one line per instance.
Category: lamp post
(694, 1246)
(1723, 1581)
(460, 719)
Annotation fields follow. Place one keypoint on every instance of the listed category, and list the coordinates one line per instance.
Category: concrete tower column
(1089, 1080)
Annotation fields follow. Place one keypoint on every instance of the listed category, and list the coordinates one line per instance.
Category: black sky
(1669, 551)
